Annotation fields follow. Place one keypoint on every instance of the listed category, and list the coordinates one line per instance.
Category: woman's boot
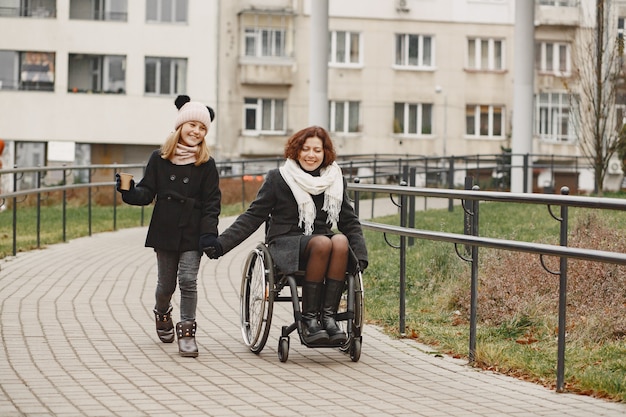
(164, 325)
(332, 297)
(312, 332)
(186, 332)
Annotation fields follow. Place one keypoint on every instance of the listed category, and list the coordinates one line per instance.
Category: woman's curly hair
(296, 142)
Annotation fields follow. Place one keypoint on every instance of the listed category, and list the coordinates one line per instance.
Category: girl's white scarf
(184, 155)
(303, 185)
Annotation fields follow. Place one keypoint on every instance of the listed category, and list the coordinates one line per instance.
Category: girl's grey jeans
(184, 266)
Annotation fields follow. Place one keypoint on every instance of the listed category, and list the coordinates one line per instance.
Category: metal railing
(55, 179)
(470, 201)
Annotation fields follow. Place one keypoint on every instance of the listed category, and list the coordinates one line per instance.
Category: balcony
(558, 13)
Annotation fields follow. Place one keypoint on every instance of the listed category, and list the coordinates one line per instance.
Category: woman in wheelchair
(301, 202)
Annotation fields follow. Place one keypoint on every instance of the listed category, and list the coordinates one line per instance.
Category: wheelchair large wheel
(257, 298)
(353, 343)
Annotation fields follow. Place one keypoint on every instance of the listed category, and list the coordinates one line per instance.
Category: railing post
(403, 201)
(38, 210)
(467, 220)
(411, 208)
(451, 182)
(357, 198)
(560, 366)
(243, 185)
(526, 156)
(15, 213)
(114, 203)
(474, 282)
(89, 214)
(64, 182)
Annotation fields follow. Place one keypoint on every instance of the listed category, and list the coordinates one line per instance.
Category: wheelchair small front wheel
(355, 349)
(283, 348)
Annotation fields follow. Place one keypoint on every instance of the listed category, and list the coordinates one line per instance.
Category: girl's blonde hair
(169, 148)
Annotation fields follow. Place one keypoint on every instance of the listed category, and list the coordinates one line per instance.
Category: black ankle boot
(312, 332)
(186, 331)
(332, 297)
(164, 325)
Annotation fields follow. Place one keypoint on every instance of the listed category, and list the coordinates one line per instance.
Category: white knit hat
(193, 110)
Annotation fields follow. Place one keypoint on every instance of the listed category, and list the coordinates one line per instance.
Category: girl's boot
(186, 332)
(164, 325)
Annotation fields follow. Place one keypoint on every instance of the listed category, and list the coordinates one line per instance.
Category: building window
(264, 115)
(28, 8)
(414, 51)
(413, 118)
(166, 11)
(166, 76)
(553, 58)
(97, 74)
(485, 54)
(114, 10)
(344, 116)
(553, 121)
(484, 121)
(345, 48)
(27, 70)
(266, 42)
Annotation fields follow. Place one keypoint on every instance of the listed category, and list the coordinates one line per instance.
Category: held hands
(211, 246)
(362, 265)
(118, 184)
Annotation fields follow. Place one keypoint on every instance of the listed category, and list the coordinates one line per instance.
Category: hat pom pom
(181, 101)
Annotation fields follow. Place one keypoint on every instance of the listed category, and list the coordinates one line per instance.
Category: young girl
(303, 200)
(183, 179)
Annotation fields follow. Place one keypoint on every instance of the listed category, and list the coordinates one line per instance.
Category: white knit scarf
(303, 185)
(184, 155)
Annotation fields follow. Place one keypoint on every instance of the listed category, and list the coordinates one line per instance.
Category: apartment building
(403, 76)
(86, 81)
(94, 80)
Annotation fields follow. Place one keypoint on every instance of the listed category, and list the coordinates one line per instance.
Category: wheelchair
(262, 284)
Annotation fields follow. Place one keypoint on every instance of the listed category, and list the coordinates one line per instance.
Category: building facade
(86, 81)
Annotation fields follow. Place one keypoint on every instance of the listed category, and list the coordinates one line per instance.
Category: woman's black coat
(188, 202)
(276, 204)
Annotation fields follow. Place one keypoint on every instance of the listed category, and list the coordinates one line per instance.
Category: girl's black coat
(188, 202)
(276, 204)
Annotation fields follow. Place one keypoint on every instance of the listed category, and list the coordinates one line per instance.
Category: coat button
(185, 180)
(172, 177)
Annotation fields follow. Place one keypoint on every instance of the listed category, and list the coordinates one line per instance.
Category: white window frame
(349, 120)
(265, 43)
(417, 128)
(155, 11)
(484, 49)
(259, 107)
(402, 47)
(552, 65)
(177, 78)
(475, 110)
(551, 111)
(335, 47)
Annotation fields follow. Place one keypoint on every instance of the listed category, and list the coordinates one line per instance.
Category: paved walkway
(78, 339)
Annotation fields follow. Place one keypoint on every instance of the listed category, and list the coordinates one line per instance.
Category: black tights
(326, 257)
